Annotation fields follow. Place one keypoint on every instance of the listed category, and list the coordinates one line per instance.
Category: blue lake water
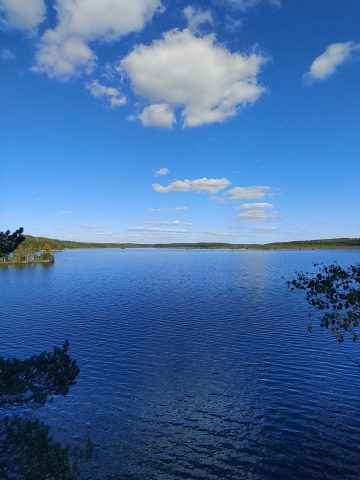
(194, 364)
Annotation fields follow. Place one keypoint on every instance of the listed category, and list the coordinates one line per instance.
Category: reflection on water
(194, 364)
(24, 266)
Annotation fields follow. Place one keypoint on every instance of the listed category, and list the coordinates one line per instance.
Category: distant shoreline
(38, 244)
(243, 249)
(285, 247)
(259, 249)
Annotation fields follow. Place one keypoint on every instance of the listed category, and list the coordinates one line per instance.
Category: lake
(194, 364)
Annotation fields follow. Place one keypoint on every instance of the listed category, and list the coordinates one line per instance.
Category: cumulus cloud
(254, 206)
(61, 56)
(22, 14)
(256, 215)
(210, 86)
(157, 115)
(208, 185)
(166, 209)
(249, 193)
(162, 171)
(253, 212)
(112, 94)
(170, 223)
(327, 63)
(197, 17)
(64, 50)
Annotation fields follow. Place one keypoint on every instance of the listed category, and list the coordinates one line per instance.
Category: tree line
(39, 243)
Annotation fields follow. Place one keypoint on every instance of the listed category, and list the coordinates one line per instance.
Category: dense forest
(42, 243)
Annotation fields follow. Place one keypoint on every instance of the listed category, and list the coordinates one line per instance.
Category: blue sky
(149, 121)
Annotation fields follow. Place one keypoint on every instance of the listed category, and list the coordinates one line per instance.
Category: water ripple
(194, 364)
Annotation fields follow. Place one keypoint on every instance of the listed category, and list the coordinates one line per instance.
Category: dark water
(194, 364)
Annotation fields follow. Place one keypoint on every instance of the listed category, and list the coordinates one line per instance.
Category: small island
(24, 256)
(16, 249)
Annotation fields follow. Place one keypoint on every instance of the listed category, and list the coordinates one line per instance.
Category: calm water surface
(194, 364)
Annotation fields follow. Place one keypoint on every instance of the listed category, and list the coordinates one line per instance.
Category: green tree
(46, 253)
(10, 241)
(23, 253)
(334, 293)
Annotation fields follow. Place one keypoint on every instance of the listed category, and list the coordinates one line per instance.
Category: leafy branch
(334, 292)
(34, 381)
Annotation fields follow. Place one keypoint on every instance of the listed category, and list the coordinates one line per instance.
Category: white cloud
(201, 77)
(219, 234)
(166, 230)
(197, 17)
(327, 63)
(135, 235)
(265, 229)
(174, 223)
(157, 115)
(116, 234)
(112, 94)
(61, 57)
(175, 209)
(249, 193)
(22, 14)
(6, 55)
(64, 212)
(167, 236)
(254, 206)
(256, 215)
(209, 185)
(162, 171)
(244, 5)
(92, 227)
(64, 50)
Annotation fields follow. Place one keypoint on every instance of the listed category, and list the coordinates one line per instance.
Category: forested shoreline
(41, 243)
